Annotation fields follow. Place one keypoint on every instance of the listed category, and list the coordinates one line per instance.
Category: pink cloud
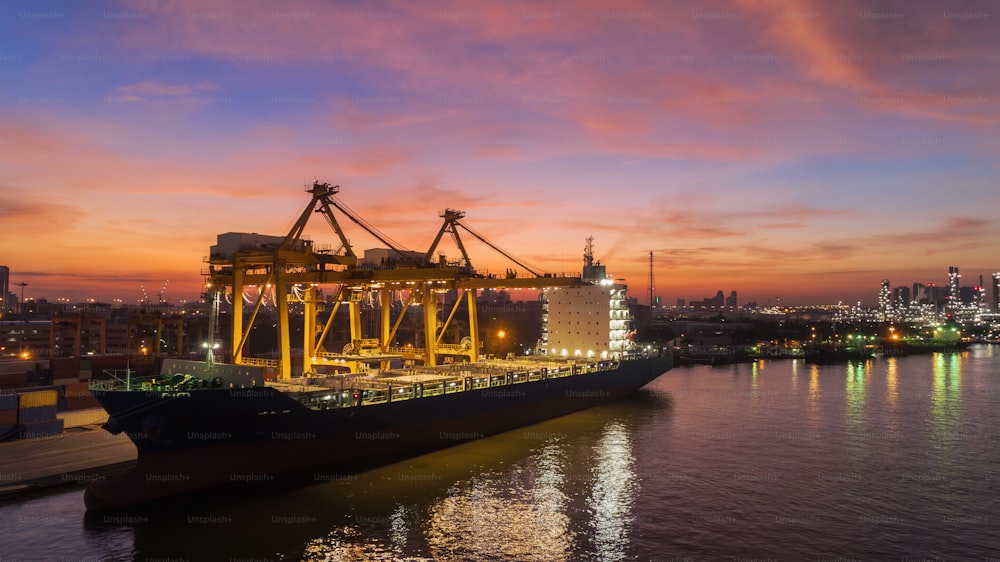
(148, 88)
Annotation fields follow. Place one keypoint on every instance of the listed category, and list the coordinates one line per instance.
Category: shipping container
(41, 429)
(8, 431)
(36, 414)
(78, 397)
(83, 403)
(77, 390)
(65, 367)
(23, 366)
(13, 380)
(8, 417)
(100, 362)
(32, 399)
(8, 400)
(65, 382)
(79, 418)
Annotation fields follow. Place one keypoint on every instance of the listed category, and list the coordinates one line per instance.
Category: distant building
(954, 286)
(996, 292)
(494, 296)
(901, 296)
(5, 301)
(980, 297)
(716, 302)
(884, 302)
(929, 294)
(968, 295)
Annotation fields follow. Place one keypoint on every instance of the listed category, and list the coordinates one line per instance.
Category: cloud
(729, 136)
(17, 207)
(147, 88)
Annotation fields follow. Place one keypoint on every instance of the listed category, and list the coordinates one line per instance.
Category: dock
(76, 456)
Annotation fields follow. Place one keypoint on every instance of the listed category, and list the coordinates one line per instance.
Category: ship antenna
(652, 298)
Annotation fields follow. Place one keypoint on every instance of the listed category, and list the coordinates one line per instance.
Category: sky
(795, 150)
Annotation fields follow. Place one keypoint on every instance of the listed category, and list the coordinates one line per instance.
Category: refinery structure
(930, 304)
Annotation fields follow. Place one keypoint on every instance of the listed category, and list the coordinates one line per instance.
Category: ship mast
(652, 297)
(214, 296)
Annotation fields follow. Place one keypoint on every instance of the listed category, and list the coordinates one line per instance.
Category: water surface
(894, 458)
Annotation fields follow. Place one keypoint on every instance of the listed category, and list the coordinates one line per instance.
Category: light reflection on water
(892, 382)
(613, 492)
(559, 489)
(946, 405)
(518, 515)
(855, 393)
(888, 459)
(815, 393)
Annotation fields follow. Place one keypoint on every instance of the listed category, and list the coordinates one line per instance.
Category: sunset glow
(801, 150)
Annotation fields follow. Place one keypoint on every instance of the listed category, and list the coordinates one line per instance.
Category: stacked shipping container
(8, 415)
(36, 414)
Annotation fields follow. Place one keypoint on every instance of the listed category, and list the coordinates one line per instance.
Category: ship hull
(194, 440)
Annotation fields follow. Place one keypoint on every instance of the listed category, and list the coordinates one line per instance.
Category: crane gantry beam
(294, 262)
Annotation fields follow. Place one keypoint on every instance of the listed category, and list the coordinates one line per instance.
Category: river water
(892, 459)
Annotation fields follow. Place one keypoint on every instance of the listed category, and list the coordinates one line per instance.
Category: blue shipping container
(7, 432)
(36, 414)
(41, 429)
(8, 400)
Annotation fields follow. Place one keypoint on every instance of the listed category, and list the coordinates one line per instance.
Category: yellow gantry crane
(297, 262)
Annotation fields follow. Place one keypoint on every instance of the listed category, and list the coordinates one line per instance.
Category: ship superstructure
(589, 320)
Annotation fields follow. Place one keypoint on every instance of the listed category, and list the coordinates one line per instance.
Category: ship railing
(259, 362)
(350, 390)
(121, 379)
(406, 351)
(374, 396)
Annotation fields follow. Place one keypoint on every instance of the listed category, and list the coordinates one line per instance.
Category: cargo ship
(202, 424)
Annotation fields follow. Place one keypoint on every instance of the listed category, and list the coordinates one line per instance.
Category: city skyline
(801, 150)
(889, 294)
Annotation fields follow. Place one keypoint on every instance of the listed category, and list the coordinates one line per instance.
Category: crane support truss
(295, 264)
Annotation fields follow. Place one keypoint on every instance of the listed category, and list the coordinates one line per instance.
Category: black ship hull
(188, 441)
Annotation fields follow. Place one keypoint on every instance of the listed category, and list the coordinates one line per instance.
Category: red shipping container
(8, 417)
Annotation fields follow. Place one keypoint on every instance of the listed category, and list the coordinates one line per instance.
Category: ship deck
(384, 385)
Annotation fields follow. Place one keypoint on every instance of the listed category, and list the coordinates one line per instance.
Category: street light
(501, 334)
